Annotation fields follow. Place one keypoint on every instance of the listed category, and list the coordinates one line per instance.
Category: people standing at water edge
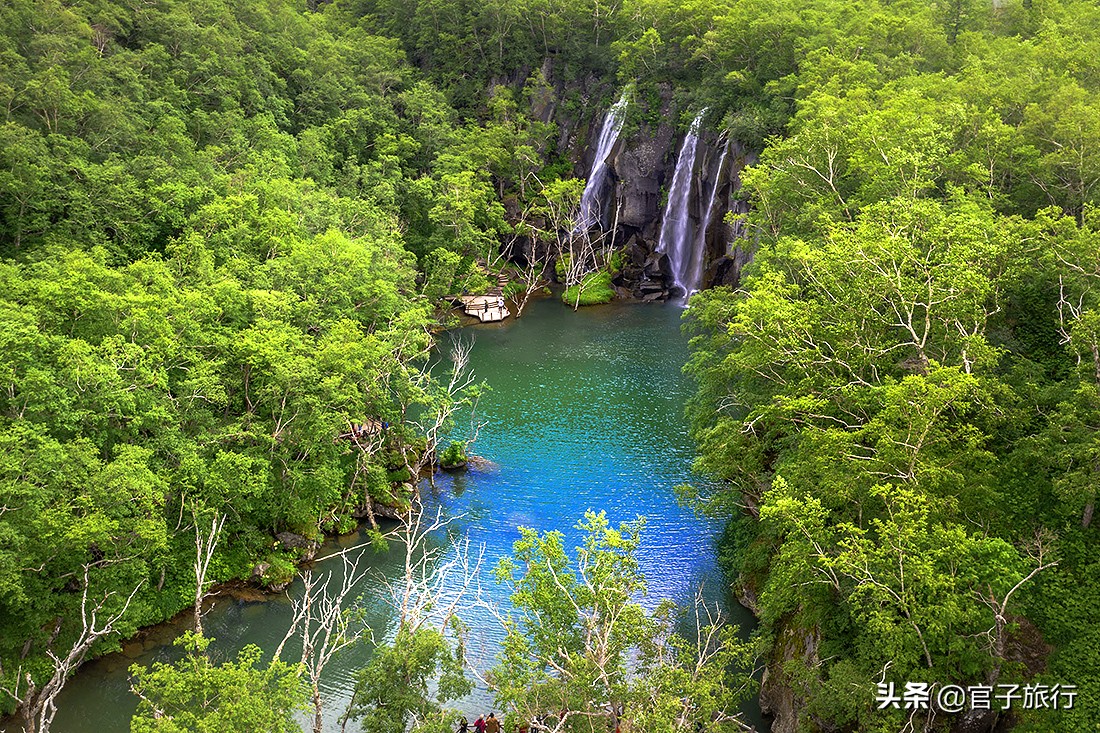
(479, 724)
(492, 725)
(463, 725)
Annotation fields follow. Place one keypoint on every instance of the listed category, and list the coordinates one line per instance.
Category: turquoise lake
(585, 411)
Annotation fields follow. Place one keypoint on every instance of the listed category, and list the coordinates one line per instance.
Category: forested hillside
(903, 393)
(226, 230)
(214, 219)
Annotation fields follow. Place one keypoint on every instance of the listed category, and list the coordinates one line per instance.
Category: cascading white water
(693, 277)
(609, 133)
(677, 240)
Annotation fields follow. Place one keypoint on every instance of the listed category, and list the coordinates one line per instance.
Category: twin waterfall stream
(682, 237)
(677, 239)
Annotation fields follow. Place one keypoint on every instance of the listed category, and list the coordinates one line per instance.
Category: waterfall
(609, 133)
(676, 238)
(693, 278)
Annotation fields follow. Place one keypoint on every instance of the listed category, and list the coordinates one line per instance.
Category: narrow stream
(585, 411)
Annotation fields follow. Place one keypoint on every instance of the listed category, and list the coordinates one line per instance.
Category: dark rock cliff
(641, 165)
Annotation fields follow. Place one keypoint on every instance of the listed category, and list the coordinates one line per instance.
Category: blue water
(585, 411)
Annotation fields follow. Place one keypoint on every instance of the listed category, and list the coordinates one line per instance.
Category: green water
(585, 412)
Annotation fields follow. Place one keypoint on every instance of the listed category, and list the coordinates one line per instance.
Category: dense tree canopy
(196, 695)
(211, 217)
(226, 229)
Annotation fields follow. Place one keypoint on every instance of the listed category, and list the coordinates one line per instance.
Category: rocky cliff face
(641, 165)
(640, 169)
(728, 249)
(794, 659)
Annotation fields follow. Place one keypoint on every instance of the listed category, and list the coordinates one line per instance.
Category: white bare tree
(532, 275)
(368, 439)
(685, 678)
(1041, 555)
(327, 618)
(205, 542)
(438, 578)
(453, 394)
(710, 649)
(38, 706)
(325, 625)
(581, 250)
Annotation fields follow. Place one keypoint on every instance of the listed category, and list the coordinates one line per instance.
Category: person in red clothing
(479, 724)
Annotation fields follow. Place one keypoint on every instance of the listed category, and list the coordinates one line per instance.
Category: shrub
(595, 289)
(453, 455)
(399, 475)
(280, 571)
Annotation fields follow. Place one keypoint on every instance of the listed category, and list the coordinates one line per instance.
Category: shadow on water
(585, 412)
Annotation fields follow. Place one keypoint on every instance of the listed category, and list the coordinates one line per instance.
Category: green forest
(227, 236)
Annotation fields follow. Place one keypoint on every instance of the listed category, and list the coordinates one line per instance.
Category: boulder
(748, 596)
(657, 266)
(636, 252)
(280, 586)
(290, 541)
(385, 510)
(727, 270)
(724, 272)
(376, 508)
(260, 574)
